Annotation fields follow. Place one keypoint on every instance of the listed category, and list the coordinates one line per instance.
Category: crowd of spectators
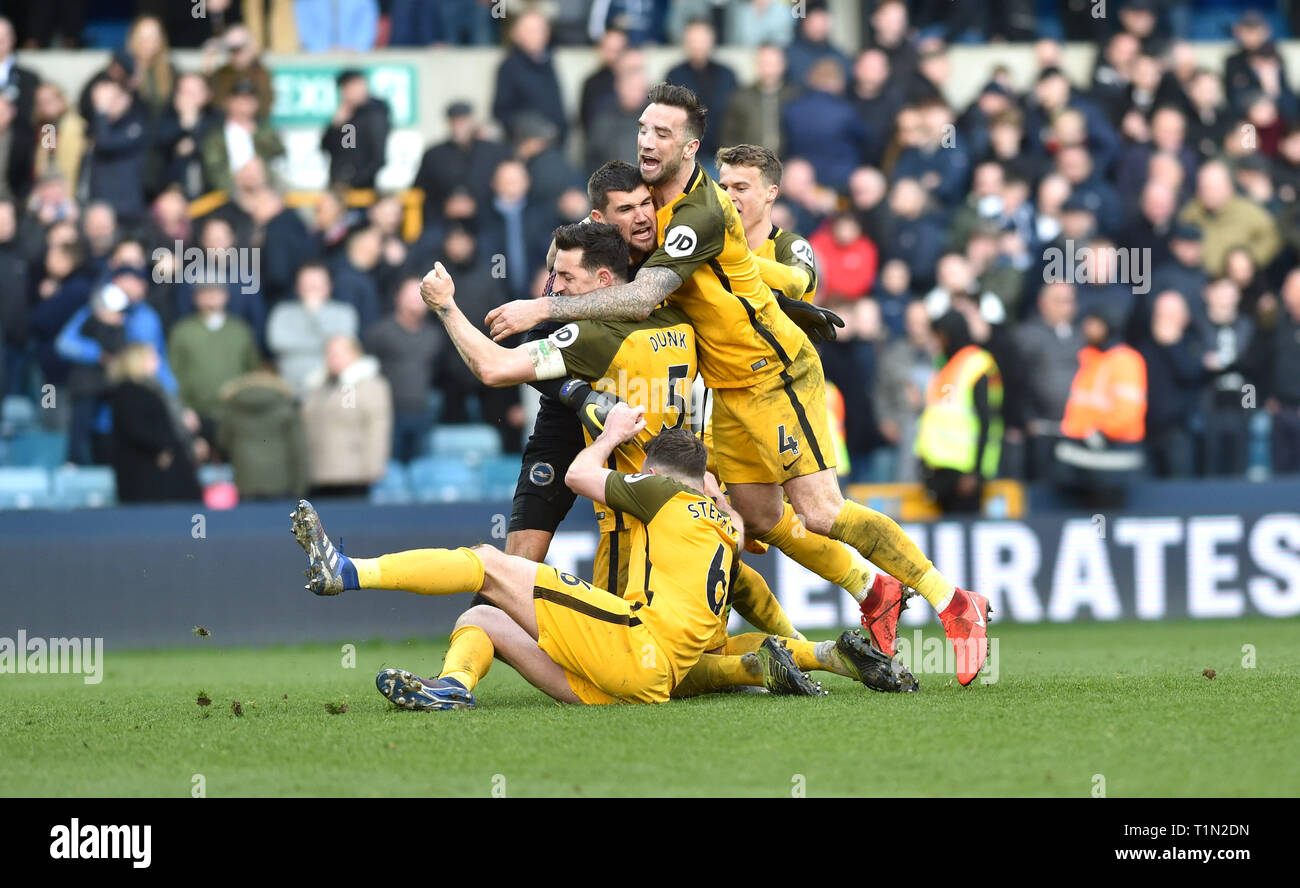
(1171, 190)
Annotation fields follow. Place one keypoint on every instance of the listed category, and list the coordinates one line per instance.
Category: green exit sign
(307, 95)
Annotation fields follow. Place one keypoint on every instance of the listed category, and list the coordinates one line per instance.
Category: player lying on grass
(770, 425)
(575, 642)
(658, 353)
(620, 197)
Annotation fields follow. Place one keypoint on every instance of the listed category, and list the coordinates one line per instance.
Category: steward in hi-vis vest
(959, 439)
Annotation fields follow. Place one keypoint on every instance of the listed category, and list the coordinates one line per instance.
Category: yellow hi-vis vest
(835, 413)
(948, 436)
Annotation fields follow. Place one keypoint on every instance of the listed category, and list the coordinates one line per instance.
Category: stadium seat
(78, 487)
(499, 475)
(24, 488)
(46, 449)
(394, 488)
(474, 443)
(18, 414)
(436, 479)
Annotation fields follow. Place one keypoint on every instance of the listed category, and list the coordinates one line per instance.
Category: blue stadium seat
(17, 414)
(46, 449)
(394, 488)
(24, 488)
(436, 479)
(499, 475)
(77, 487)
(473, 442)
(216, 473)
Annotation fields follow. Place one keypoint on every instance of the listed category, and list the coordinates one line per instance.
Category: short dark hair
(680, 97)
(602, 246)
(758, 156)
(347, 75)
(678, 452)
(616, 175)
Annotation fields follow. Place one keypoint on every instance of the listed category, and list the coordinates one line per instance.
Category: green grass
(1127, 701)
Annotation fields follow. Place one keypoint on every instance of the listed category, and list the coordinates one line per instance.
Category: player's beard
(668, 169)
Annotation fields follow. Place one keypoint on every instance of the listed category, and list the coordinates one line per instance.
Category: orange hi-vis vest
(1108, 395)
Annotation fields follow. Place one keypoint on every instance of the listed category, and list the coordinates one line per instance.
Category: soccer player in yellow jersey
(648, 363)
(572, 640)
(770, 424)
(751, 176)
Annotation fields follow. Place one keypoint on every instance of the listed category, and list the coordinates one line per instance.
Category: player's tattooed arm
(491, 364)
(630, 301)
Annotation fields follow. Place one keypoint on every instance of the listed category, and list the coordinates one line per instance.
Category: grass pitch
(1126, 701)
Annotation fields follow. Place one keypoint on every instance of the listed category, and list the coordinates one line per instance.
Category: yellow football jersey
(650, 363)
(682, 561)
(789, 248)
(743, 335)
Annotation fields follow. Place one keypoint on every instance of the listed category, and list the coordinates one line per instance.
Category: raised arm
(587, 473)
(624, 302)
(493, 364)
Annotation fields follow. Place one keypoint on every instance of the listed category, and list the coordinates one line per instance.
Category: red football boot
(881, 608)
(966, 621)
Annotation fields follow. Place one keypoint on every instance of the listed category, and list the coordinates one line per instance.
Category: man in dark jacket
(1048, 344)
(1284, 380)
(17, 84)
(713, 82)
(526, 80)
(463, 161)
(754, 115)
(285, 243)
(1176, 379)
(16, 149)
(1256, 67)
(13, 304)
(515, 227)
(408, 347)
(121, 142)
(478, 291)
(1228, 339)
(822, 127)
(598, 88)
(357, 138)
(181, 130)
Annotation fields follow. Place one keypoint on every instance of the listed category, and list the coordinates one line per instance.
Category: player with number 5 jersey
(770, 425)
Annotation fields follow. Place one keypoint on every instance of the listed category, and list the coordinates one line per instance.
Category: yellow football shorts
(607, 654)
(611, 540)
(777, 429)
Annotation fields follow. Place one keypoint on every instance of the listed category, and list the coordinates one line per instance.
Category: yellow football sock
(881, 541)
(752, 598)
(470, 656)
(745, 643)
(808, 655)
(422, 571)
(821, 555)
(715, 672)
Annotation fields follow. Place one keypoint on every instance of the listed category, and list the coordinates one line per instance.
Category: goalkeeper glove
(592, 406)
(818, 323)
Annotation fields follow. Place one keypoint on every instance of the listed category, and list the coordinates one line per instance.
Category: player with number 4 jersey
(770, 425)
